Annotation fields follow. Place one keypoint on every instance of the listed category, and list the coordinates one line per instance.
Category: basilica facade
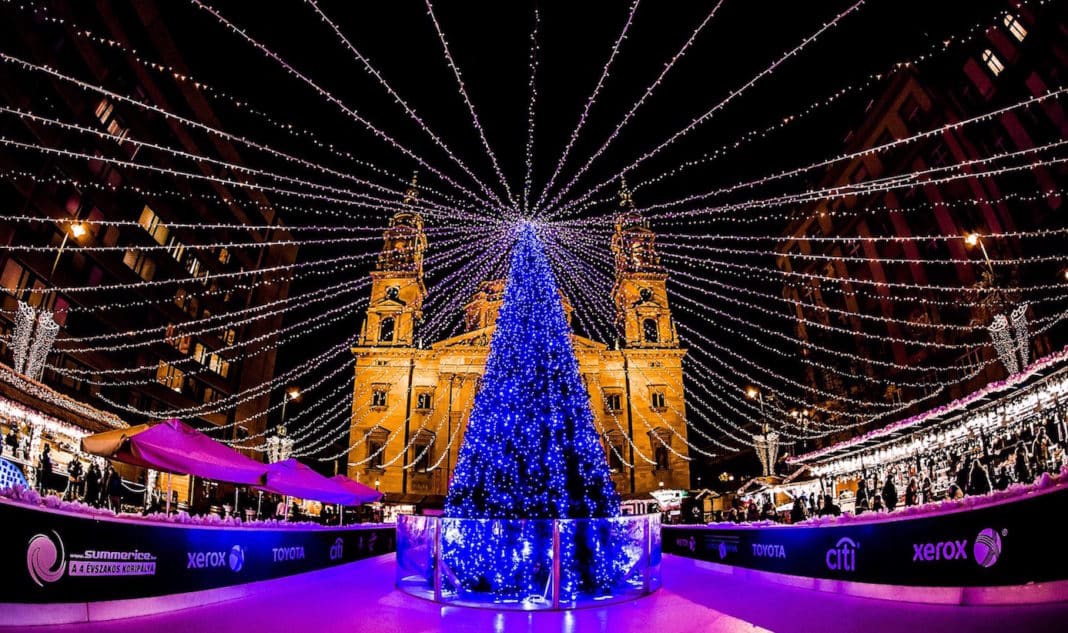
(411, 401)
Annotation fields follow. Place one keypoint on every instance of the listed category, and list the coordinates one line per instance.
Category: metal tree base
(528, 564)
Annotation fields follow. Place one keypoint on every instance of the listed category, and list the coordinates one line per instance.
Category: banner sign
(1010, 543)
(55, 557)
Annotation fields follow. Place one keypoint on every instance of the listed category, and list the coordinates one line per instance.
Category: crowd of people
(983, 465)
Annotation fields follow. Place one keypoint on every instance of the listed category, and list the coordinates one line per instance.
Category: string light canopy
(810, 289)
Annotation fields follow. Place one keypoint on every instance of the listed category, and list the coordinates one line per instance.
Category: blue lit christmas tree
(530, 450)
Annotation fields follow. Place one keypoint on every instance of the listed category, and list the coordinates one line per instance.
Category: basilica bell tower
(643, 319)
(397, 288)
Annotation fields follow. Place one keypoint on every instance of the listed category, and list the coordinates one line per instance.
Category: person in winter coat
(979, 481)
(92, 484)
(912, 493)
(1022, 468)
(890, 494)
(862, 497)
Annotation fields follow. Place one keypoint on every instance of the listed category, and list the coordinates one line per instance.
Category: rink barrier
(1006, 553)
(62, 565)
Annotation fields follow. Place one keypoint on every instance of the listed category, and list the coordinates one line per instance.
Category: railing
(528, 564)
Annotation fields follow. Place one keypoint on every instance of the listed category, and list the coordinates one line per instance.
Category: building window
(170, 376)
(224, 256)
(374, 453)
(176, 249)
(385, 330)
(422, 451)
(376, 447)
(663, 457)
(1013, 24)
(658, 399)
(140, 263)
(651, 331)
(424, 401)
(103, 110)
(613, 402)
(993, 63)
(614, 440)
(378, 397)
(151, 223)
(230, 336)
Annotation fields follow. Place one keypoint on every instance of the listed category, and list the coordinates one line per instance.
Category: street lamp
(77, 229)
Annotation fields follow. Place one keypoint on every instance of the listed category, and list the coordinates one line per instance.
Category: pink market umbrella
(364, 493)
(175, 447)
(293, 479)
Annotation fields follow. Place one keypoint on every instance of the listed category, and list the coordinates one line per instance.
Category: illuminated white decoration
(47, 328)
(766, 446)
(1022, 332)
(999, 333)
(24, 323)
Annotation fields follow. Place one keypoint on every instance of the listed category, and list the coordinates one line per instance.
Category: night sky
(490, 42)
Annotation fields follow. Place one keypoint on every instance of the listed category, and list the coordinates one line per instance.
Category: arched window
(662, 457)
(1013, 24)
(993, 63)
(385, 330)
(651, 331)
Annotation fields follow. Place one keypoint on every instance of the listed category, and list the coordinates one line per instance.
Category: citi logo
(687, 543)
(234, 559)
(843, 556)
(944, 550)
(336, 550)
(762, 550)
(282, 554)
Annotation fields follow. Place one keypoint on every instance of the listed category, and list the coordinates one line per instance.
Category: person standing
(92, 484)
(829, 508)
(912, 493)
(979, 481)
(1021, 468)
(114, 490)
(74, 480)
(862, 502)
(890, 493)
(44, 469)
(1040, 451)
(927, 490)
(12, 439)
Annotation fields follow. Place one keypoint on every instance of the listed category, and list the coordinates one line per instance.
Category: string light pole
(1008, 327)
(767, 442)
(280, 447)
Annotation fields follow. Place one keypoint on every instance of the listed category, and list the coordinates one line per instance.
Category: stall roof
(1036, 374)
(40, 397)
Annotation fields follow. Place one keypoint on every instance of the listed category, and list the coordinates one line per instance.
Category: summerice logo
(44, 561)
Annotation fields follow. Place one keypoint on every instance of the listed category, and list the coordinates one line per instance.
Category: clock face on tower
(646, 294)
(392, 293)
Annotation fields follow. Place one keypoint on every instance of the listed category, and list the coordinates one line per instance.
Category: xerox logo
(337, 549)
(986, 550)
(843, 556)
(942, 550)
(282, 554)
(43, 561)
(235, 559)
(769, 550)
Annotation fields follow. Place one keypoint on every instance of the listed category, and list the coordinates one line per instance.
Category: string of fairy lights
(811, 320)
